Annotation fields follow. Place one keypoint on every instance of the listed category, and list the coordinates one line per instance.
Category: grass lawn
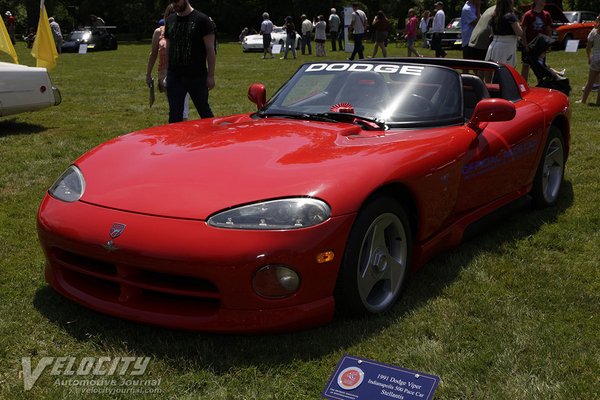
(511, 314)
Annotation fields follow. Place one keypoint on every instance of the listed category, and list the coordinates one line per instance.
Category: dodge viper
(324, 200)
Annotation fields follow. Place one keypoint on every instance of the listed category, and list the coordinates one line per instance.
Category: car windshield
(394, 93)
(454, 24)
(571, 16)
(80, 35)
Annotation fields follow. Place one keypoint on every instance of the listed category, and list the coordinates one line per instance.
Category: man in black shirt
(191, 59)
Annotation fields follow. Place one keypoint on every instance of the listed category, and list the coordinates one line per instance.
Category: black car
(451, 37)
(96, 39)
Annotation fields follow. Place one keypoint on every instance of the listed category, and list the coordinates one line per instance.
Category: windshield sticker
(381, 68)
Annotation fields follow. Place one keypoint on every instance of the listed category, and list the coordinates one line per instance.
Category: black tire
(551, 170)
(376, 260)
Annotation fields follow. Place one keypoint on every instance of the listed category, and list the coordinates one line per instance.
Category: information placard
(356, 378)
(572, 46)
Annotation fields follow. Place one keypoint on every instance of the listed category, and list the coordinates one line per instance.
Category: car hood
(196, 168)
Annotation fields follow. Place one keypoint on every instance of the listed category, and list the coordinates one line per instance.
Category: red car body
(137, 244)
(579, 27)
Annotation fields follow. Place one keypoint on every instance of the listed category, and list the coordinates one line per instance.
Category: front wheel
(376, 260)
(550, 173)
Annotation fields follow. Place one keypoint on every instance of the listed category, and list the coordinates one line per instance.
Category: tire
(376, 260)
(282, 43)
(551, 170)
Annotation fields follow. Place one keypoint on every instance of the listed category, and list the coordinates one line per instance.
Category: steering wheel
(421, 103)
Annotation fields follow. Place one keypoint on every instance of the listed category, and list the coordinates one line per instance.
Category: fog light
(275, 281)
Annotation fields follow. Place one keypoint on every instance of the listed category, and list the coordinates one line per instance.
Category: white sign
(276, 49)
(83, 48)
(572, 46)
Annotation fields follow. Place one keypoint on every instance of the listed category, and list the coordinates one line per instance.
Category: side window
(588, 17)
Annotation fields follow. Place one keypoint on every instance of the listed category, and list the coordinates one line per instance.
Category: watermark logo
(102, 374)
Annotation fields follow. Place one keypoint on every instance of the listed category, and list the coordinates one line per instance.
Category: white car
(24, 88)
(255, 42)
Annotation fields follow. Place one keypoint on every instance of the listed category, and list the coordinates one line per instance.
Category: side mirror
(491, 110)
(258, 94)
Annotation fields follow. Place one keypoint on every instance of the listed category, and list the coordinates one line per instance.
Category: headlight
(274, 215)
(70, 186)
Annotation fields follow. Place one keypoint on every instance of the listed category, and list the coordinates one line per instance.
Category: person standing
(191, 59)
(593, 55)
(307, 27)
(535, 21)
(56, 34)
(382, 26)
(469, 16)
(290, 37)
(334, 29)
(439, 23)
(158, 52)
(507, 33)
(10, 26)
(424, 27)
(320, 36)
(482, 35)
(358, 27)
(266, 28)
(411, 33)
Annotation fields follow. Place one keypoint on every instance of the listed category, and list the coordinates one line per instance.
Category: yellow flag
(44, 48)
(5, 43)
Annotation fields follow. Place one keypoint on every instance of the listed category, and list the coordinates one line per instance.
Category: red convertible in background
(328, 197)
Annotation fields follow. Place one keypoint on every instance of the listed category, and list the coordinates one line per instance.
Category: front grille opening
(137, 288)
(99, 288)
(176, 282)
(76, 261)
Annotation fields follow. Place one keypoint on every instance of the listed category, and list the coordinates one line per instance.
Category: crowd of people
(491, 35)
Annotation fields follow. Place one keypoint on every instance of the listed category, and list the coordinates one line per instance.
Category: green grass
(511, 314)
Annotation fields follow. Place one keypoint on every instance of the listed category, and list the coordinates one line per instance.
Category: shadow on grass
(11, 127)
(220, 353)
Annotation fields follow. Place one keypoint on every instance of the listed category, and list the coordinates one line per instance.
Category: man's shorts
(266, 41)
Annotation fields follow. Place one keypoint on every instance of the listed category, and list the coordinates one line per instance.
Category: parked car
(255, 42)
(579, 27)
(24, 88)
(96, 39)
(568, 25)
(452, 35)
(327, 197)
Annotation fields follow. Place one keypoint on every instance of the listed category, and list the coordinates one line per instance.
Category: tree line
(138, 18)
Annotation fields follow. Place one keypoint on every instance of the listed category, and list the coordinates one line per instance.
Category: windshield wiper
(305, 116)
(367, 123)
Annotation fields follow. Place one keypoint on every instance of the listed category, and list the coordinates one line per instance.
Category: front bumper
(184, 274)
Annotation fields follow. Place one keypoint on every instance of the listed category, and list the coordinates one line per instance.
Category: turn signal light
(325, 257)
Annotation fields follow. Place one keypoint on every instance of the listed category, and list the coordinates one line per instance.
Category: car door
(501, 157)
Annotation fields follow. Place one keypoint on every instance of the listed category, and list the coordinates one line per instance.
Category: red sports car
(347, 180)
